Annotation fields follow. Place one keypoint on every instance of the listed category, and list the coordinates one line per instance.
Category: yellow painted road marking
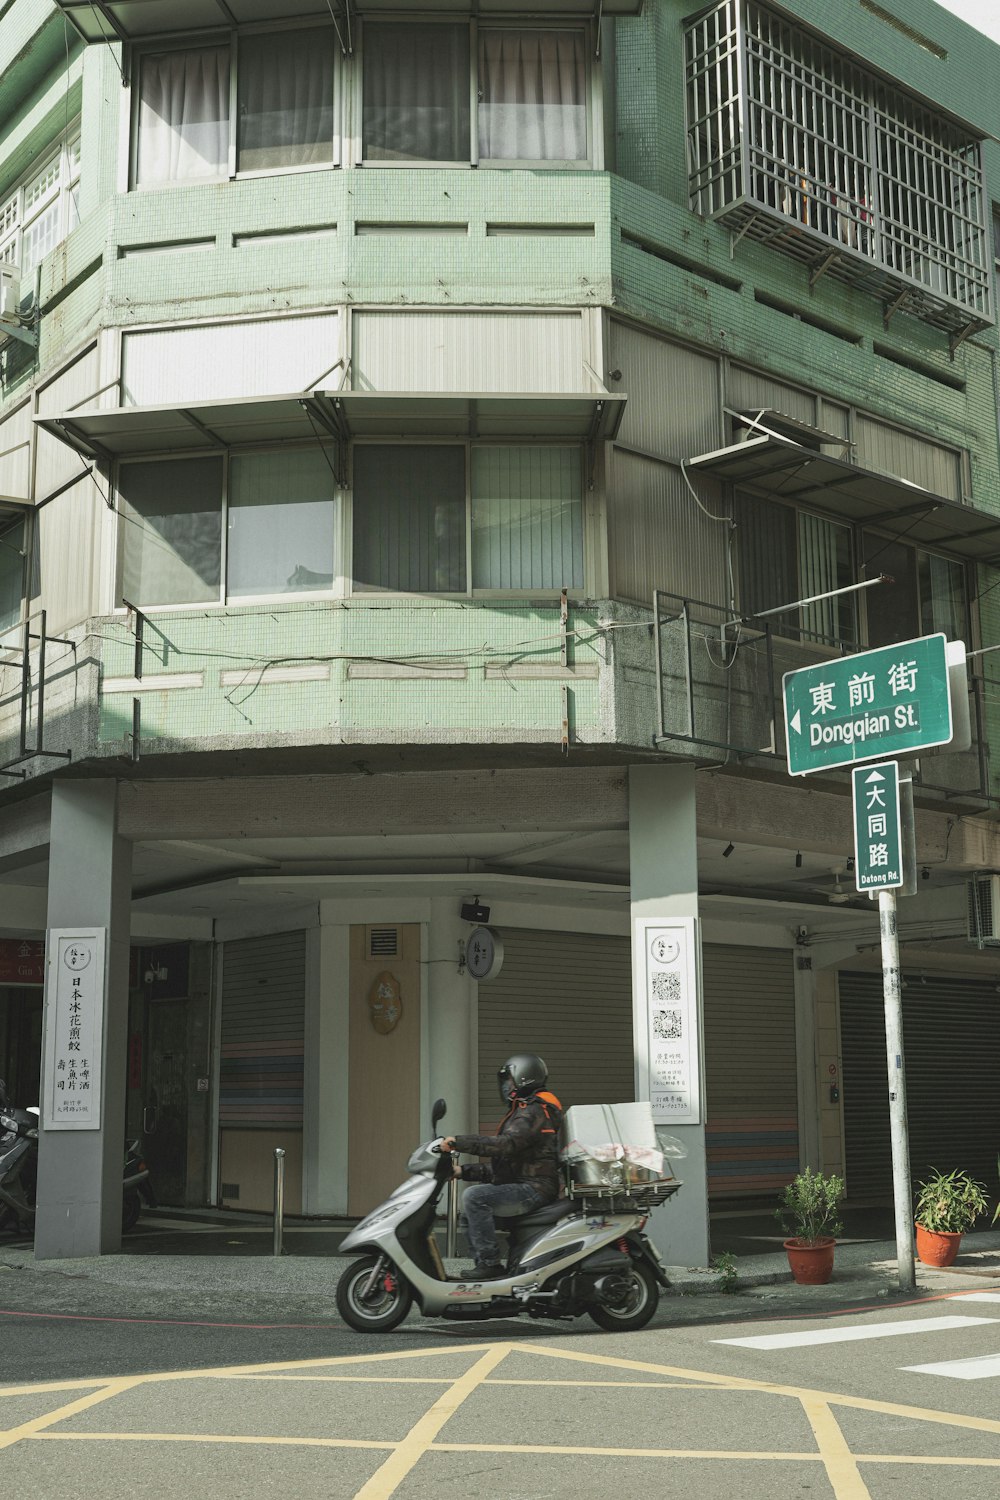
(50, 1385)
(841, 1463)
(212, 1437)
(387, 1479)
(32, 1428)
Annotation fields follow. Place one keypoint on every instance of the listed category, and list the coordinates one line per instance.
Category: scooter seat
(549, 1213)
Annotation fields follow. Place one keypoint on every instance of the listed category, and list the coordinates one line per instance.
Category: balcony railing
(797, 145)
(718, 688)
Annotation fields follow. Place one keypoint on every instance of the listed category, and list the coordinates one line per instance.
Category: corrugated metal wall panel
(263, 1031)
(567, 996)
(890, 451)
(751, 1078)
(673, 395)
(748, 390)
(951, 1037)
(423, 351)
(15, 452)
(276, 357)
(67, 566)
(657, 536)
(75, 386)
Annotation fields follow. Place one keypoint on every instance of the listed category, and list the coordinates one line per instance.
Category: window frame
(857, 531)
(64, 192)
(341, 580)
(467, 444)
(8, 521)
(230, 38)
(554, 22)
(343, 587)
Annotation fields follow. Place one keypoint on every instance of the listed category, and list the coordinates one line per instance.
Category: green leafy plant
(950, 1202)
(725, 1264)
(808, 1207)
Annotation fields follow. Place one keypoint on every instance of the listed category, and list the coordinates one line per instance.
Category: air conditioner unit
(984, 909)
(10, 293)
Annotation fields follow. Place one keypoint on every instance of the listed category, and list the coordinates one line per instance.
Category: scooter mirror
(438, 1111)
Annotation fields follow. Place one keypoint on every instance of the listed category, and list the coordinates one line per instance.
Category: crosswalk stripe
(979, 1367)
(852, 1332)
(977, 1297)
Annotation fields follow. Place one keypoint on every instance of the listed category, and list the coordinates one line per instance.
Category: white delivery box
(612, 1146)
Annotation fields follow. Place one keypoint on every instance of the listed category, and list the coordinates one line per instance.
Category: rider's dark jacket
(524, 1149)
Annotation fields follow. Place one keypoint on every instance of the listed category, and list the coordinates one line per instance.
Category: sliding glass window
(282, 84)
(786, 555)
(202, 531)
(11, 570)
(528, 87)
(427, 518)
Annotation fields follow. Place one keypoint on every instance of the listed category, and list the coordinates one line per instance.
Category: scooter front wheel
(636, 1307)
(385, 1306)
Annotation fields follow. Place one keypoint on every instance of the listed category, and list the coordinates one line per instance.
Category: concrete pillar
(80, 1171)
(663, 860)
(326, 1080)
(451, 1033)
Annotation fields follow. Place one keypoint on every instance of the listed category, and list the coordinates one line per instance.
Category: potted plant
(808, 1213)
(948, 1204)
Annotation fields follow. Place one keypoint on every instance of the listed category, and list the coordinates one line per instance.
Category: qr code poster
(667, 1012)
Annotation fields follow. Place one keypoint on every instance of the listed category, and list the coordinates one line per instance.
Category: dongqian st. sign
(892, 701)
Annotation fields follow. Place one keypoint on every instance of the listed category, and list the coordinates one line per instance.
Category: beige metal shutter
(263, 1030)
(752, 1134)
(951, 1038)
(567, 996)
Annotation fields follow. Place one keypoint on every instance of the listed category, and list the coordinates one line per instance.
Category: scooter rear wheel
(636, 1308)
(385, 1308)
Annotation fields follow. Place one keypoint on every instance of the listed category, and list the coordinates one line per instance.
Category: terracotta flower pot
(810, 1261)
(936, 1248)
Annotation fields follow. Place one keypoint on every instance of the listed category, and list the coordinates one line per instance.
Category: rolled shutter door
(263, 1030)
(951, 1041)
(751, 1085)
(567, 996)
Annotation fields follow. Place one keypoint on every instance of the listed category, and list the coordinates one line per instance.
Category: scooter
(579, 1255)
(19, 1171)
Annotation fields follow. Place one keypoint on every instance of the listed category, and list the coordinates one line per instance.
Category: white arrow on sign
(795, 722)
(875, 776)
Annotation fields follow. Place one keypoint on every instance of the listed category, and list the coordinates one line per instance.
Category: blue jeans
(484, 1202)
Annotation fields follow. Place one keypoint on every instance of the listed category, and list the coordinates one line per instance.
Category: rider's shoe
(485, 1271)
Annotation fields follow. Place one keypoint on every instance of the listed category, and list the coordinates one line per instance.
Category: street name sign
(878, 828)
(892, 701)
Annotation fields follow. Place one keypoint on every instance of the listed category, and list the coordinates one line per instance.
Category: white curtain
(285, 99)
(416, 93)
(823, 567)
(532, 95)
(183, 116)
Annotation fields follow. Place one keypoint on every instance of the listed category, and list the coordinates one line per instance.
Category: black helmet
(521, 1076)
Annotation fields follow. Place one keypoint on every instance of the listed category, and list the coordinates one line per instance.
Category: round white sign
(484, 953)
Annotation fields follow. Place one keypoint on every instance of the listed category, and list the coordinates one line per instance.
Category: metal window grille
(795, 144)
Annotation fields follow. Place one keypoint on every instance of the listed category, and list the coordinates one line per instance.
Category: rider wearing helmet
(522, 1169)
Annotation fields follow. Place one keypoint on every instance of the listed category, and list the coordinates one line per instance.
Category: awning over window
(130, 431)
(788, 471)
(9, 506)
(135, 20)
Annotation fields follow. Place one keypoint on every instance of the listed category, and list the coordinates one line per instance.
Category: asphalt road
(896, 1401)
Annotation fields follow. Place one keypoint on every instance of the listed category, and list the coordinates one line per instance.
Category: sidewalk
(232, 1275)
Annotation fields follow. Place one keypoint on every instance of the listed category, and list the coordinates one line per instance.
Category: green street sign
(878, 828)
(892, 701)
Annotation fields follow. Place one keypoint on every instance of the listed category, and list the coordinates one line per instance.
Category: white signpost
(667, 1049)
(74, 1029)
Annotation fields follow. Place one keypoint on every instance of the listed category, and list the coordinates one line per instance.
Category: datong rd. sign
(892, 701)
(878, 828)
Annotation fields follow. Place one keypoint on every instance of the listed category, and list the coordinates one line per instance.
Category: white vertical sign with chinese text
(74, 1028)
(667, 1018)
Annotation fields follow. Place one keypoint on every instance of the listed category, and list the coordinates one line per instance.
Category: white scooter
(577, 1255)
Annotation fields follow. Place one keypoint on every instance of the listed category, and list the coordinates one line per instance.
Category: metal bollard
(451, 1234)
(279, 1198)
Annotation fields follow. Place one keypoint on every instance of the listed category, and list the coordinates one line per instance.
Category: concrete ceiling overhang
(787, 470)
(132, 431)
(137, 20)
